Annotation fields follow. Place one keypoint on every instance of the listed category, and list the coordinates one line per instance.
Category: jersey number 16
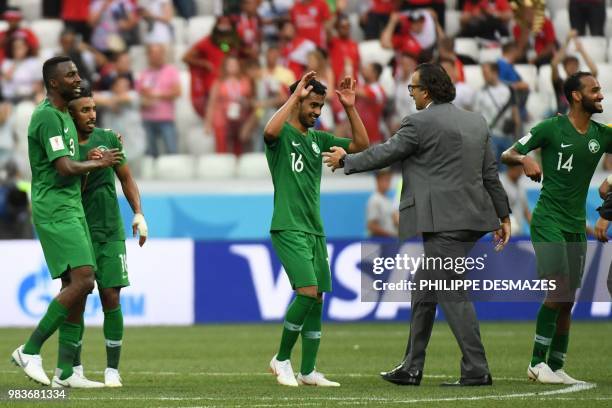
(297, 165)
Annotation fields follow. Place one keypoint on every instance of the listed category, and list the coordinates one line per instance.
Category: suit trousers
(458, 309)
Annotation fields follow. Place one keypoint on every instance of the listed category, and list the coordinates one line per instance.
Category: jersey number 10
(568, 163)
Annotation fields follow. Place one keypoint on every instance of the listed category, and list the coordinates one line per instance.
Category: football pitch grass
(226, 365)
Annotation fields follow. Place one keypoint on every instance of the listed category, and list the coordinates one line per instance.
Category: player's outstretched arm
(277, 121)
(68, 167)
(531, 167)
(132, 194)
(346, 95)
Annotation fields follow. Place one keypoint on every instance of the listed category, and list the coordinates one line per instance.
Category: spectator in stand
(528, 32)
(495, 101)
(275, 70)
(273, 13)
(571, 65)
(7, 137)
(15, 215)
(376, 17)
(205, 57)
(485, 19)
(159, 86)
(381, 213)
(228, 106)
(592, 13)
(343, 51)
(414, 33)
(86, 58)
(403, 102)
(294, 49)
(446, 50)
(13, 17)
(438, 6)
(120, 109)
(248, 25)
(120, 64)
(75, 14)
(157, 15)
(517, 198)
(312, 20)
(464, 94)
(371, 100)
(113, 24)
(509, 75)
(21, 74)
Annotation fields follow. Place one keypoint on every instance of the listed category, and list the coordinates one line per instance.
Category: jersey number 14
(568, 163)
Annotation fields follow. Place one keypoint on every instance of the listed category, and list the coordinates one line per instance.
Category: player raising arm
(293, 151)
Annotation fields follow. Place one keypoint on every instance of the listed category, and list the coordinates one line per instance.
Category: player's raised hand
(601, 229)
(111, 157)
(532, 169)
(139, 224)
(346, 92)
(303, 89)
(332, 158)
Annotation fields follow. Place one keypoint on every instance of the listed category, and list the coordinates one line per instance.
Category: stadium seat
(467, 47)
(179, 27)
(489, 55)
(147, 168)
(608, 26)
(554, 6)
(48, 31)
(561, 23)
(31, 9)
(198, 27)
(21, 116)
(175, 167)
(356, 31)
(473, 76)
(209, 7)
(216, 166)
(372, 51)
(528, 73)
(196, 141)
(387, 82)
(253, 166)
(595, 47)
(3, 25)
(138, 55)
(545, 81)
(610, 49)
(177, 59)
(539, 106)
(605, 77)
(606, 116)
(451, 21)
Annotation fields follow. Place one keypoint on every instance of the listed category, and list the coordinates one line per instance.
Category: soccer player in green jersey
(293, 151)
(60, 221)
(106, 227)
(571, 146)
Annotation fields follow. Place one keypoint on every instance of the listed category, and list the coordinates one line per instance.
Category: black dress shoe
(402, 376)
(470, 382)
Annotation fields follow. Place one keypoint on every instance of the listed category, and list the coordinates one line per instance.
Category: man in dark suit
(451, 195)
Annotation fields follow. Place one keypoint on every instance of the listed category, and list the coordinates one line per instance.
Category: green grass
(225, 365)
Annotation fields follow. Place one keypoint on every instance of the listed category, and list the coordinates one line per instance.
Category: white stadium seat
(561, 23)
(605, 78)
(606, 116)
(387, 82)
(209, 7)
(179, 27)
(253, 166)
(197, 142)
(473, 76)
(554, 6)
(138, 55)
(610, 48)
(199, 27)
(608, 26)
(467, 47)
(489, 55)
(175, 167)
(219, 166)
(356, 31)
(528, 74)
(595, 47)
(539, 105)
(545, 81)
(21, 116)
(372, 51)
(48, 31)
(147, 168)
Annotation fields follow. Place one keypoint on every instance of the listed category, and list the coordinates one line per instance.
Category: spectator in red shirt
(205, 57)
(75, 14)
(413, 33)
(312, 20)
(439, 6)
(543, 38)
(446, 50)
(248, 25)
(294, 49)
(485, 19)
(371, 100)
(13, 17)
(343, 51)
(374, 20)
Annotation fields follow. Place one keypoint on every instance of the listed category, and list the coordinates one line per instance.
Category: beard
(69, 94)
(589, 106)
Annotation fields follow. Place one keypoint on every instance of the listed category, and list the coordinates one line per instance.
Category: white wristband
(141, 224)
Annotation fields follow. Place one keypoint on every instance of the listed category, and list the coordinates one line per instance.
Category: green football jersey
(99, 194)
(51, 135)
(569, 160)
(295, 163)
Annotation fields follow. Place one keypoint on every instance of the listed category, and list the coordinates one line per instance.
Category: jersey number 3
(297, 165)
(568, 163)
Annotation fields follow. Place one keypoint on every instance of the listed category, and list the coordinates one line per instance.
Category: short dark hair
(574, 83)
(570, 58)
(492, 66)
(378, 69)
(85, 89)
(434, 79)
(317, 87)
(508, 47)
(50, 66)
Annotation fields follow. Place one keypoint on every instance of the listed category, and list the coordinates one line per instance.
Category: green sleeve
(328, 140)
(537, 137)
(50, 134)
(116, 144)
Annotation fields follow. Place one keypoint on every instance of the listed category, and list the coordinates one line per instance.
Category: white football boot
(31, 364)
(283, 372)
(112, 378)
(566, 378)
(76, 380)
(316, 378)
(543, 374)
